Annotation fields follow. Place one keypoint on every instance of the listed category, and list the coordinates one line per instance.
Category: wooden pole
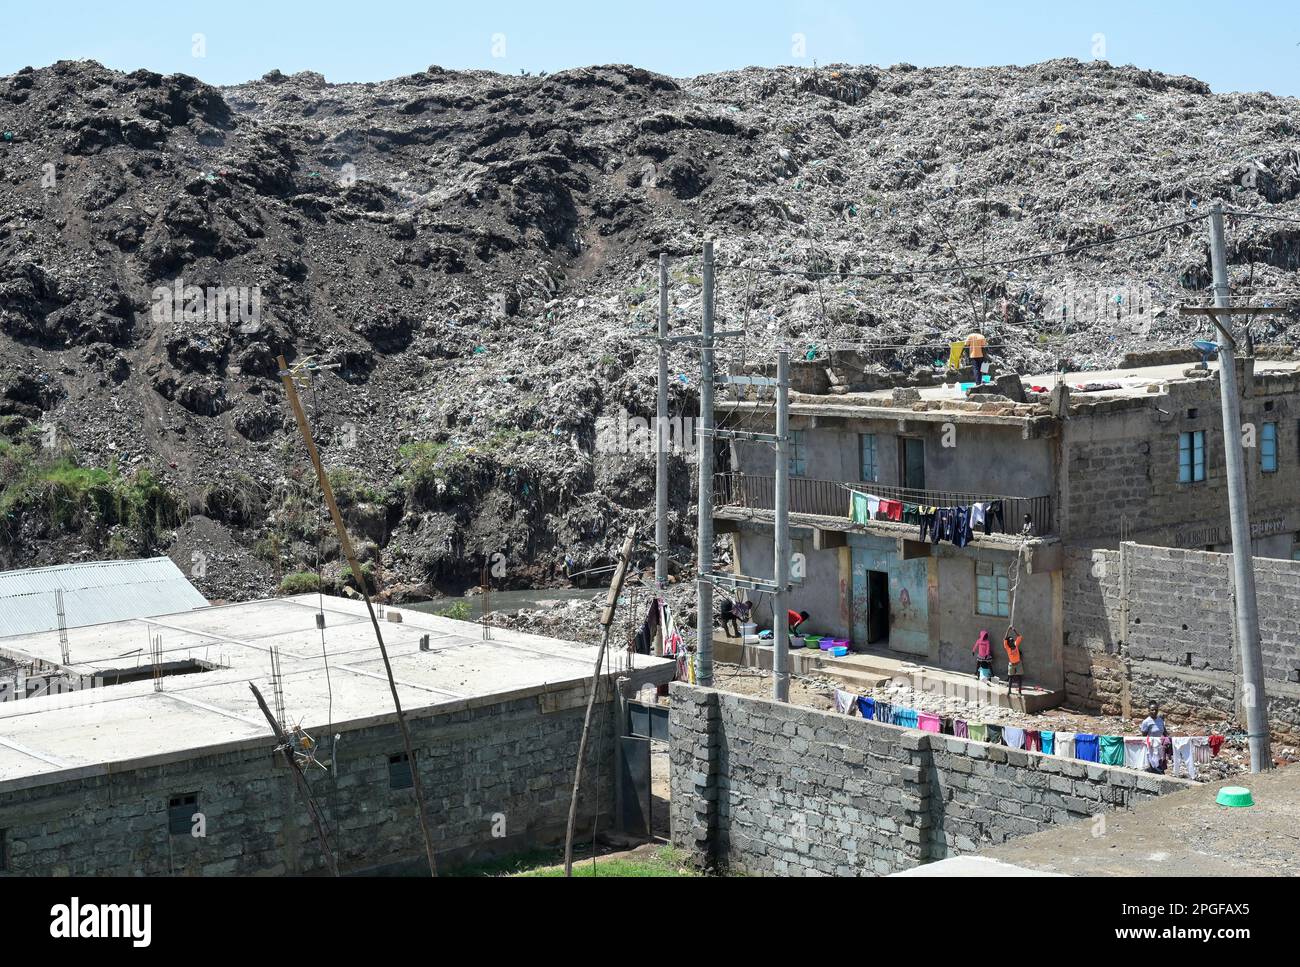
(606, 619)
(303, 791)
(286, 376)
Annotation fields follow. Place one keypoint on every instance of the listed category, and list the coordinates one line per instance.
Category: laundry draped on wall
(1135, 752)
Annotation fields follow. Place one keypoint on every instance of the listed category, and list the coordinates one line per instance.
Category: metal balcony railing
(830, 498)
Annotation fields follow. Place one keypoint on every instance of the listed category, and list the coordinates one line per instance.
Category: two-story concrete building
(1085, 460)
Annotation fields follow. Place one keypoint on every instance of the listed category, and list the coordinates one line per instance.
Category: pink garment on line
(926, 722)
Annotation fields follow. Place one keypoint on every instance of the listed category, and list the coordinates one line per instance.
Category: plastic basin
(1234, 796)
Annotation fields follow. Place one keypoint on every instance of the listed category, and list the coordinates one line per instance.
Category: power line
(1272, 218)
(942, 270)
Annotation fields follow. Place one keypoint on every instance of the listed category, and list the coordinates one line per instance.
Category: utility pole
(781, 509)
(661, 453)
(345, 543)
(285, 748)
(704, 544)
(607, 620)
(1252, 661)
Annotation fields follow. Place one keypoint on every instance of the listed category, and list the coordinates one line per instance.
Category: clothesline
(955, 524)
(1134, 752)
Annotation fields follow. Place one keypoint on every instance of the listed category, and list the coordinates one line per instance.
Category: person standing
(1154, 730)
(1015, 666)
(976, 344)
(983, 652)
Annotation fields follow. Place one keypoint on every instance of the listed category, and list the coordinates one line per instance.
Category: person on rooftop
(976, 344)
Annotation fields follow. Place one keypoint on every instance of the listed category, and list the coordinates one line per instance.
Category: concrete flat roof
(100, 730)
(947, 400)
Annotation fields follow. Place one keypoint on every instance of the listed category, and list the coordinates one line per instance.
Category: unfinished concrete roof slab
(110, 728)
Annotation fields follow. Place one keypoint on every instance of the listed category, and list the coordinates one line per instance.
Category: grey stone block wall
(1156, 623)
(504, 768)
(764, 787)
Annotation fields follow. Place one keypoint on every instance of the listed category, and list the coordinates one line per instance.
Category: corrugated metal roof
(93, 592)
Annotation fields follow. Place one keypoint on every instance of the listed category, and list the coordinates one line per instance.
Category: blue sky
(1234, 49)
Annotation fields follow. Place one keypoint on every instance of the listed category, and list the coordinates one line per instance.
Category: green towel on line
(858, 512)
(1112, 750)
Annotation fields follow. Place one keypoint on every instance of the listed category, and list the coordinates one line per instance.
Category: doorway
(877, 606)
(911, 456)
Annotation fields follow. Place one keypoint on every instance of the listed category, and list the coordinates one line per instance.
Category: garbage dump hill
(470, 260)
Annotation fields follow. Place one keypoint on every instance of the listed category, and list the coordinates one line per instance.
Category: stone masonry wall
(1120, 460)
(763, 787)
(492, 768)
(1156, 623)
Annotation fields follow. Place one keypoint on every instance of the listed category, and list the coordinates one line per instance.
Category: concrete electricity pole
(704, 436)
(661, 434)
(1252, 662)
(781, 507)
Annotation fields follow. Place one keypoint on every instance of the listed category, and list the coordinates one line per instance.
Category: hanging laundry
(867, 707)
(911, 514)
(961, 532)
(927, 722)
(1031, 740)
(1184, 757)
(672, 639)
(929, 522)
(892, 509)
(995, 733)
(1013, 737)
(1048, 740)
(1216, 743)
(884, 711)
(960, 730)
(946, 726)
(976, 515)
(1135, 752)
(1201, 750)
(1085, 747)
(858, 511)
(993, 509)
(873, 506)
(946, 524)
(1156, 752)
(1112, 750)
(977, 731)
(649, 629)
(846, 703)
(905, 717)
(1064, 742)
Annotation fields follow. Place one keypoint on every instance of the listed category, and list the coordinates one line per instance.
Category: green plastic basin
(1234, 796)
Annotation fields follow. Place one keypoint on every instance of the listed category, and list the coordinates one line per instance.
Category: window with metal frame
(868, 464)
(1268, 448)
(1191, 456)
(180, 813)
(798, 453)
(399, 772)
(992, 589)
